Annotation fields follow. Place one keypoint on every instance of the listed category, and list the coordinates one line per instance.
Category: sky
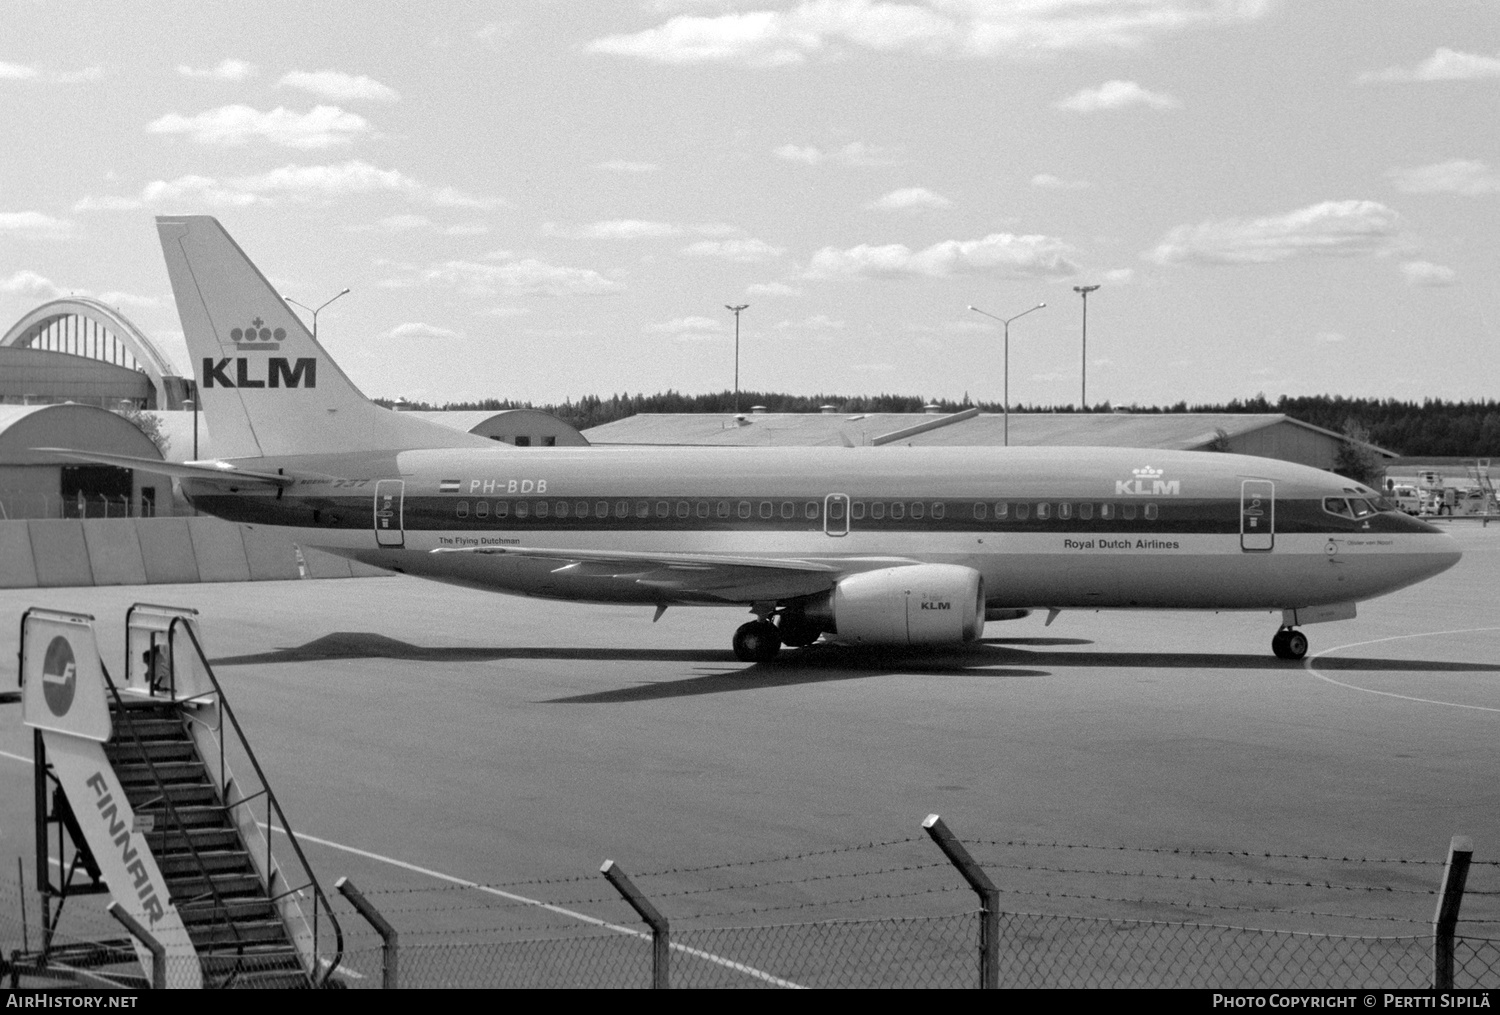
(545, 199)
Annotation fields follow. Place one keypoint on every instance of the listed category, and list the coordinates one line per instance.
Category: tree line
(1430, 427)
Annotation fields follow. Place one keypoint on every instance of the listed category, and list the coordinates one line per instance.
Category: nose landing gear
(1289, 643)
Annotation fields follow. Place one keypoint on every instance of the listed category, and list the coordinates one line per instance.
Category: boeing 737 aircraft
(867, 545)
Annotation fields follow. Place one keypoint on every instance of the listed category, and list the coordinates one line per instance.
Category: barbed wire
(1136, 922)
(1188, 904)
(1189, 851)
(1216, 880)
(831, 902)
(779, 859)
(783, 881)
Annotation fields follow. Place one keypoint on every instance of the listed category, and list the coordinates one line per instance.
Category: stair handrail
(220, 906)
(286, 827)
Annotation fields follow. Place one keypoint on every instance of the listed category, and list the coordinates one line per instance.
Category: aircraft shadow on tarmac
(988, 657)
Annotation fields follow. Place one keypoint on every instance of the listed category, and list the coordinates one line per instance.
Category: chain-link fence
(894, 913)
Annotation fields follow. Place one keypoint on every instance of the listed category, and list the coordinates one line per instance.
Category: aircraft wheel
(1289, 644)
(757, 642)
(798, 635)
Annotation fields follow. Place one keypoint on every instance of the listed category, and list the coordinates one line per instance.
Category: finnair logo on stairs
(119, 831)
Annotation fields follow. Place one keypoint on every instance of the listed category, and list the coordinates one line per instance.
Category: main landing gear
(1288, 643)
(757, 642)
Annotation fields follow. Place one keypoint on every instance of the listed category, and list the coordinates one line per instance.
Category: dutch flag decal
(448, 486)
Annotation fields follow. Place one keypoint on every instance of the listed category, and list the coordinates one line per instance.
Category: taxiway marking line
(1307, 664)
(698, 953)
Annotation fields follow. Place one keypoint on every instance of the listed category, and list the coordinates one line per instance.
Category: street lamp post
(736, 312)
(310, 310)
(1006, 321)
(1084, 290)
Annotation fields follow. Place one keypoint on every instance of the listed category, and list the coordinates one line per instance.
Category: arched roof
(169, 386)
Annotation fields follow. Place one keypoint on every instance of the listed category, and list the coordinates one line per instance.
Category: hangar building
(37, 484)
(1269, 435)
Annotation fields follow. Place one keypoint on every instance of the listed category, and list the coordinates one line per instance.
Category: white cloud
(1116, 95)
(974, 28)
(1443, 65)
(1426, 275)
(29, 283)
(689, 329)
(613, 229)
(1456, 176)
(25, 72)
(34, 286)
(624, 166)
(746, 251)
(855, 153)
(340, 87)
(873, 368)
(772, 289)
(817, 322)
(1328, 337)
(33, 225)
(1001, 254)
(1046, 181)
(1329, 229)
(226, 70)
(298, 183)
(320, 127)
(908, 198)
(401, 223)
(417, 329)
(513, 276)
(504, 312)
(466, 229)
(106, 203)
(1119, 276)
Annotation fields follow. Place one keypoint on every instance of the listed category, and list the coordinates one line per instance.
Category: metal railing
(321, 906)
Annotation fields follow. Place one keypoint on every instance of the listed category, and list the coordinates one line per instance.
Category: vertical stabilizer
(266, 385)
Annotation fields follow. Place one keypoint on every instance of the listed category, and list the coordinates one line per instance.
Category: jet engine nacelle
(919, 604)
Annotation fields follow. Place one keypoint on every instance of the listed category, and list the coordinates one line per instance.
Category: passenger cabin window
(916, 510)
(482, 509)
(1002, 511)
(1043, 511)
(1127, 512)
(938, 510)
(980, 511)
(1023, 511)
(1150, 512)
(857, 510)
(898, 510)
(1065, 511)
(502, 508)
(1107, 512)
(1085, 511)
(463, 509)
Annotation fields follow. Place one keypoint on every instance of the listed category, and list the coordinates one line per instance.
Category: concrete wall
(151, 551)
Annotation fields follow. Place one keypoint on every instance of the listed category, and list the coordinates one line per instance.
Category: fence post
(989, 899)
(661, 933)
(388, 936)
(141, 934)
(1445, 920)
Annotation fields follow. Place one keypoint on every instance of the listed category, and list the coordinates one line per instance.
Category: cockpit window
(1337, 506)
(1362, 508)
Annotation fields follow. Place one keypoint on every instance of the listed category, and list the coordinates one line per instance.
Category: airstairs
(149, 791)
(1479, 475)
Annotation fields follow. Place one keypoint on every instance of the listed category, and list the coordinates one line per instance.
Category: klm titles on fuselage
(276, 372)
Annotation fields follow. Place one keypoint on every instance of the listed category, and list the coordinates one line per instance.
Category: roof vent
(828, 410)
(758, 410)
(741, 420)
(932, 408)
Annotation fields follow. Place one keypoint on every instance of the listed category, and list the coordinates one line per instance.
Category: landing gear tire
(798, 635)
(1289, 643)
(757, 642)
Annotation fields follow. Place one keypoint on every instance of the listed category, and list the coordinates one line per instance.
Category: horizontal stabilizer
(210, 471)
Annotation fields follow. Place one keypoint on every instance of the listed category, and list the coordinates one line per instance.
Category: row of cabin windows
(787, 510)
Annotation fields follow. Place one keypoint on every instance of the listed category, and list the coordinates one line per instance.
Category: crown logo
(1147, 472)
(257, 336)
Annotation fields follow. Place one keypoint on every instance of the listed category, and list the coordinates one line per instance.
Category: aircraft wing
(210, 471)
(727, 577)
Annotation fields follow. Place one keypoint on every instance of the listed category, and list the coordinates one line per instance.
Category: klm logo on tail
(279, 372)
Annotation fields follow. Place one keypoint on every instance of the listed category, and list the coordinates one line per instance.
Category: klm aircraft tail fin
(265, 384)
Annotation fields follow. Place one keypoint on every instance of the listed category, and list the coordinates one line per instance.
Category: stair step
(167, 842)
(206, 937)
(128, 752)
(167, 771)
(206, 911)
(290, 980)
(197, 797)
(214, 861)
(252, 960)
(191, 886)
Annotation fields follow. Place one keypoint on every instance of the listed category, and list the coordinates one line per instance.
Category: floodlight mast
(1006, 321)
(736, 311)
(310, 310)
(1083, 396)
